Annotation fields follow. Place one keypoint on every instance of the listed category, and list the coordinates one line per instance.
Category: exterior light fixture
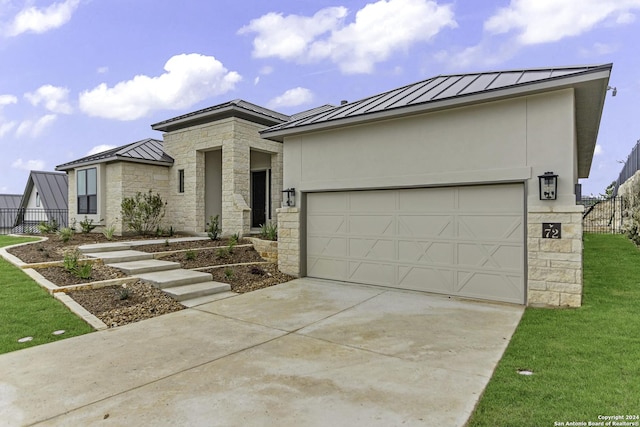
(291, 197)
(614, 90)
(548, 186)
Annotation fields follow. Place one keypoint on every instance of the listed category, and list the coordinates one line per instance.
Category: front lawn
(27, 310)
(585, 361)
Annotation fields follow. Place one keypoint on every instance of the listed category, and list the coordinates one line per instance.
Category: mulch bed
(211, 257)
(247, 278)
(176, 246)
(62, 277)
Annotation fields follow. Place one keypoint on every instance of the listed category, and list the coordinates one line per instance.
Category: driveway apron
(304, 353)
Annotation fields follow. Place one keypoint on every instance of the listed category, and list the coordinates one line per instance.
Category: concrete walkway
(304, 353)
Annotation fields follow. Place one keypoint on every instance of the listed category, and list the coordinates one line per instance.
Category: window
(87, 184)
(180, 180)
(37, 199)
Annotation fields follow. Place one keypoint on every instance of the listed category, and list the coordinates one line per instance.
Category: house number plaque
(551, 230)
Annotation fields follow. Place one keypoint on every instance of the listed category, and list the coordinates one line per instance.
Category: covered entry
(463, 241)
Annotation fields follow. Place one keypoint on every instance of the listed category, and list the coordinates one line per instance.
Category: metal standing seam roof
(144, 151)
(455, 88)
(10, 201)
(53, 188)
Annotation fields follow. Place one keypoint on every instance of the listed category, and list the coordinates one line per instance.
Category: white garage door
(463, 241)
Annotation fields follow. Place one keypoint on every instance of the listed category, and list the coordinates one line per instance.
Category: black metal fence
(21, 220)
(630, 167)
(603, 215)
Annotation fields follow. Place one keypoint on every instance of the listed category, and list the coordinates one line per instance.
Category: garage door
(462, 241)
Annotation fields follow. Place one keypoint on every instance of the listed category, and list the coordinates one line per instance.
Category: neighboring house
(435, 186)
(210, 162)
(44, 200)
(98, 183)
(9, 205)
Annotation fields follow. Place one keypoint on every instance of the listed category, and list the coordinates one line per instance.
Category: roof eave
(217, 114)
(68, 167)
(448, 103)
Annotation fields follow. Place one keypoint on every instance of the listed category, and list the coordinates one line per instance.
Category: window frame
(87, 201)
(180, 180)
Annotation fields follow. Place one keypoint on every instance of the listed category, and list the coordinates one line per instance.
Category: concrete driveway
(305, 353)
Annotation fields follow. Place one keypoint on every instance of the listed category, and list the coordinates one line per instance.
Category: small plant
(123, 294)
(232, 244)
(71, 264)
(87, 225)
(48, 227)
(83, 270)
(223, 252)
(109, 231)
(65, 234)
(228, 273)
(235, 238)
(269, 231)
(213, 227)
(190, 255)
(166, 242)
(257, 271)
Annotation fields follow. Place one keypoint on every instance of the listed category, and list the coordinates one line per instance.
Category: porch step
(173, 278)
(104, 247)
(196, 290)
(132, 268)
(120, 256)
(194, 302)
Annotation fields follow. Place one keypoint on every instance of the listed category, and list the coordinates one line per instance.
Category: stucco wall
(504, 141)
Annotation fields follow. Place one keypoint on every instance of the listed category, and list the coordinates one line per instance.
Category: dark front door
(258, 198)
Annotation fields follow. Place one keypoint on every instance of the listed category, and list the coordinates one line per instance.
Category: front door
(258, 198)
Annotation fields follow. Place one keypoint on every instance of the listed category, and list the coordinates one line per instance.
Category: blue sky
(80, 76)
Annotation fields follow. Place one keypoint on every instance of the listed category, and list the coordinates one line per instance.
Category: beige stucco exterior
(512, 140)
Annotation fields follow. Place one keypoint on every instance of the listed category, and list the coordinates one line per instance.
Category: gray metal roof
(590, 83)
(235, 108)
(312, 112)
(144, 151)
(53, 188)
(10, 201)
(458, 88)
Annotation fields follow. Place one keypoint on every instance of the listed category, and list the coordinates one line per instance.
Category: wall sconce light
(614, 90)
(548, 186)
(291, 197)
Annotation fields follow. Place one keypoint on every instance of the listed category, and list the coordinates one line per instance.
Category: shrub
(228, 273)
(87, 225)
(631, 215)
(223, 252)
(71, 264)
(84, 270)
(269, 231)
(65, 234)
(48, 227)
(235, 238)
(108, 231)
(143, 212)
(213, 227)
(190, 255)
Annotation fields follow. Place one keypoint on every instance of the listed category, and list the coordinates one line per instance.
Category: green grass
(586, 361)
(27, 310)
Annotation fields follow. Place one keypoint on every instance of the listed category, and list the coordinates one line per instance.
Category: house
(210, 162)
(44, 200)
(98, 183)
(9, 204)
(435, 186)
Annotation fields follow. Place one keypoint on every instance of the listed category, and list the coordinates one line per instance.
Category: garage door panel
(373, 273)
(426, 225)
(376, 249)
(492, 227)
(421, 278)
(464, 241)
(429, 253)
(434, 201)
(328, 246)
(372, 225)
(371, 202)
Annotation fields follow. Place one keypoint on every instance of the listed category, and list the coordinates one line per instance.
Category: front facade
(434, 186)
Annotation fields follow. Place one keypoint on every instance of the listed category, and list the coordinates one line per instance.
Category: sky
(82, 76)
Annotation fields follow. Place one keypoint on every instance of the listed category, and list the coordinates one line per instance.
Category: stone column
(289, 240)
(555, 265)
(235, 187)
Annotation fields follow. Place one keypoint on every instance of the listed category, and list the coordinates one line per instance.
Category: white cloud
(29, 165)
(599, 49)
(40, 20)
(543, 21)
(103, 70)
(188, 79)
(100, 148)
(292, 98)
(35, 128)
(54, 99)
(479, 56)
(598, 150)
(378, 30)
(6, 127)
(7, 100)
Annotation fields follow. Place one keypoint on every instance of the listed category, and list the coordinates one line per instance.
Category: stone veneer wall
(289, 241)
(236, 138)
(555, 265)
